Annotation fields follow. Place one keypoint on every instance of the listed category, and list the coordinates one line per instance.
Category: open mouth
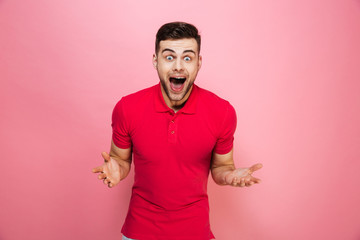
(177, 83)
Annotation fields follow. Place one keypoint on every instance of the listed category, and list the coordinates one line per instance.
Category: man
(177, 133)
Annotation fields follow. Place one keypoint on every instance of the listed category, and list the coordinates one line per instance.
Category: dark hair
(177, 30)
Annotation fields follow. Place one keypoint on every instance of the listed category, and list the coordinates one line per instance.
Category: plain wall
(291, 69)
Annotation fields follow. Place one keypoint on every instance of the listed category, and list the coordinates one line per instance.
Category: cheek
(161, 69)
(192, 70)
(164, 67)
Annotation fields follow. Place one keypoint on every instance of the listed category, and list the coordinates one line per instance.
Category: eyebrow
(192, 51)
(170, 50)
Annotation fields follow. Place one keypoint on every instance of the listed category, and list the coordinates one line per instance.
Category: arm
(116, 166)
(223, 171)
(123, 157)
(221, 165)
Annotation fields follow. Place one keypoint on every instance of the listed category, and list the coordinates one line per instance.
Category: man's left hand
(242, 177)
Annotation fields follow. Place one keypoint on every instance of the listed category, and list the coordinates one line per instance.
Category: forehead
(179, 45)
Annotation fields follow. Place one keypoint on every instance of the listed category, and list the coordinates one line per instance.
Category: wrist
(124, 169)
(220, 174)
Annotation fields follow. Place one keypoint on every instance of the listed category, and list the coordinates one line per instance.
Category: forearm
(218, 173)
(123, 157)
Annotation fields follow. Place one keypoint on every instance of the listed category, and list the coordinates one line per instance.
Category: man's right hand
(109, 171)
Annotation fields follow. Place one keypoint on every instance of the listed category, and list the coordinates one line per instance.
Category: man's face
(177, 63)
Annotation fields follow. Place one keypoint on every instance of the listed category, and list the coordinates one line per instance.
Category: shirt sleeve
(225, 139)
(120, 127)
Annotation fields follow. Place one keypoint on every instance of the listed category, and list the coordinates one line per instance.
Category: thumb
(106, 156)
(255, 167)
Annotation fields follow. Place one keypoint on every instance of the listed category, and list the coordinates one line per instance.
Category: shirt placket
(172, 128)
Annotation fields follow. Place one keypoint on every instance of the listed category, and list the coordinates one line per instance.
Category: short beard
(163, 84)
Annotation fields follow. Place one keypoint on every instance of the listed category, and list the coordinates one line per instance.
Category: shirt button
(172, 132)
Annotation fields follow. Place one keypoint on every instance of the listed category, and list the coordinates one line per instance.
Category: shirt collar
(189, 107)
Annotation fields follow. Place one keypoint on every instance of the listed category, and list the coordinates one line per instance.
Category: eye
(187, 59)
(169, 58)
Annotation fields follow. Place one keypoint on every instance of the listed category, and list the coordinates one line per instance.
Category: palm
(242, 176)
(112, 170)
(109, 171)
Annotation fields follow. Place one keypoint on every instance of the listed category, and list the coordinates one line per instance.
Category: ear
(200, 62)
(154, 61)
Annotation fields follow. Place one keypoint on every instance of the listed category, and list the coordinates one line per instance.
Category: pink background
(291, 69)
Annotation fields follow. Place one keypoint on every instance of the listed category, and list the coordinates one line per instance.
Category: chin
(177, 97)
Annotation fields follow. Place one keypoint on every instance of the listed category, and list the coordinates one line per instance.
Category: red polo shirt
(172, 156)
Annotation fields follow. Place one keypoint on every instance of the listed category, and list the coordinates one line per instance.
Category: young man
(177, 133)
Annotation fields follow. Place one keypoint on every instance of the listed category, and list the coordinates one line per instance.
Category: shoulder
(212, 102)
(139, 96)
(132, 103)
(137, 99)
(217, 112)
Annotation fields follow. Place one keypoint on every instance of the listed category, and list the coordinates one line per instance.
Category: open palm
(109, 171)
(242, 177)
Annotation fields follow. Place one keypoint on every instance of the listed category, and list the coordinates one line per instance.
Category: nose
(178, 65)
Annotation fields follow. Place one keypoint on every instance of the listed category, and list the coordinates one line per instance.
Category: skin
(176, 58)
(223, 171)
(116, 165)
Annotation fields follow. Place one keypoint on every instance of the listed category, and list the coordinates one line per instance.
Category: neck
(178, 107)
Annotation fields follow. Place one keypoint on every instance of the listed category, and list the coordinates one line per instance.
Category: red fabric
(172, 154)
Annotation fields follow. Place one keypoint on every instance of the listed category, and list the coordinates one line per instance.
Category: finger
(242, 183)
(106, 181)
(255, 180)
(110, 184)
(248, 184)
(255, 167)
(102, 176)
(106, 156)
(234, 182)
(97, 169)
